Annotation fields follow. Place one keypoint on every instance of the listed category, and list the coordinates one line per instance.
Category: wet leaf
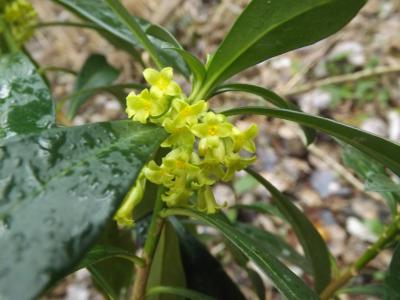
(26, 105)
(58, 190)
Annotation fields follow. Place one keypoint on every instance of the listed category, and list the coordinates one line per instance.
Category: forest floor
(327, 79)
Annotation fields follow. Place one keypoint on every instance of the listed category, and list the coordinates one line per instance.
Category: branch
(378, 71)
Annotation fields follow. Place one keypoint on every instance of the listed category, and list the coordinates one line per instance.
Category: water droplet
(5, 90)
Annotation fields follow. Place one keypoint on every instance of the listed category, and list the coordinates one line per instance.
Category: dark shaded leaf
(313, 244)
(96, 72)
(113, 259)
(166, 268)
(180, 292)
(58, 190)
(382, 150)
(26, 105)
(198, 262)
(268, 28)
(392, 279)
(291, 286)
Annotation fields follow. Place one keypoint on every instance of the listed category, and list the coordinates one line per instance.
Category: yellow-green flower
(158, 174)
(131, 200)
(211, 131)
(21, 17)
(205, 147)
(244, 139)
(187, 114)
(234, 163)
(161, 82)
(180, 136)
(206, 201)
(146, 104)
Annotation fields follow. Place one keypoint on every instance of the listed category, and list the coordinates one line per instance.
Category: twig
(342, 171)
(153, 234)
(388, 235)
(378, 71)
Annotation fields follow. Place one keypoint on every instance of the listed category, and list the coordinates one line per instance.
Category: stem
(387, 236)
(8, 38)
(134, 27)
(378, 71)
(153, 234)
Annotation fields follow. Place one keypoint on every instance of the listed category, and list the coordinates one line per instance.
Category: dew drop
(5, 89)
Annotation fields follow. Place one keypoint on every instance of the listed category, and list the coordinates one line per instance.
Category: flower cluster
(205, 147)
(20, 17)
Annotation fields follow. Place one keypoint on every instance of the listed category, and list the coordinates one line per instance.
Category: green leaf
(379, 148)
(166, 268)
(275, 244)
(313, 245)
(392, 279)
(113, 259)
(198, 262)
(95, 72)
(264, 208)
(163, 34)
(104, 252)
(374, 175)
(291, 286)
(268, 28)
(376, 290)
(181, 292)
(102, 15)
(269, 96)
(26, 105)
(58, 189)
(196, 67)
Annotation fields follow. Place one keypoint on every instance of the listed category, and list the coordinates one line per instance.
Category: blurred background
(352, 77)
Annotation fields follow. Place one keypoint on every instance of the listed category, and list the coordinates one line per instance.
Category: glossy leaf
(102, 15)
(268, 96)
(96, 72)
(26, 105)
(196, 67)
(374, 174)
(313, 245)
(197, 262)
(382, 150)
(58, 190)
(268, 28)
(180, 292)
(392, 280)
(291, 286)
(166, 268)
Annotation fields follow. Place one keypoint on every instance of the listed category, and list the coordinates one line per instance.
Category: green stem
(153, 235)
(8, 38)
(388, 235)
(134, 27)
(43, 70)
